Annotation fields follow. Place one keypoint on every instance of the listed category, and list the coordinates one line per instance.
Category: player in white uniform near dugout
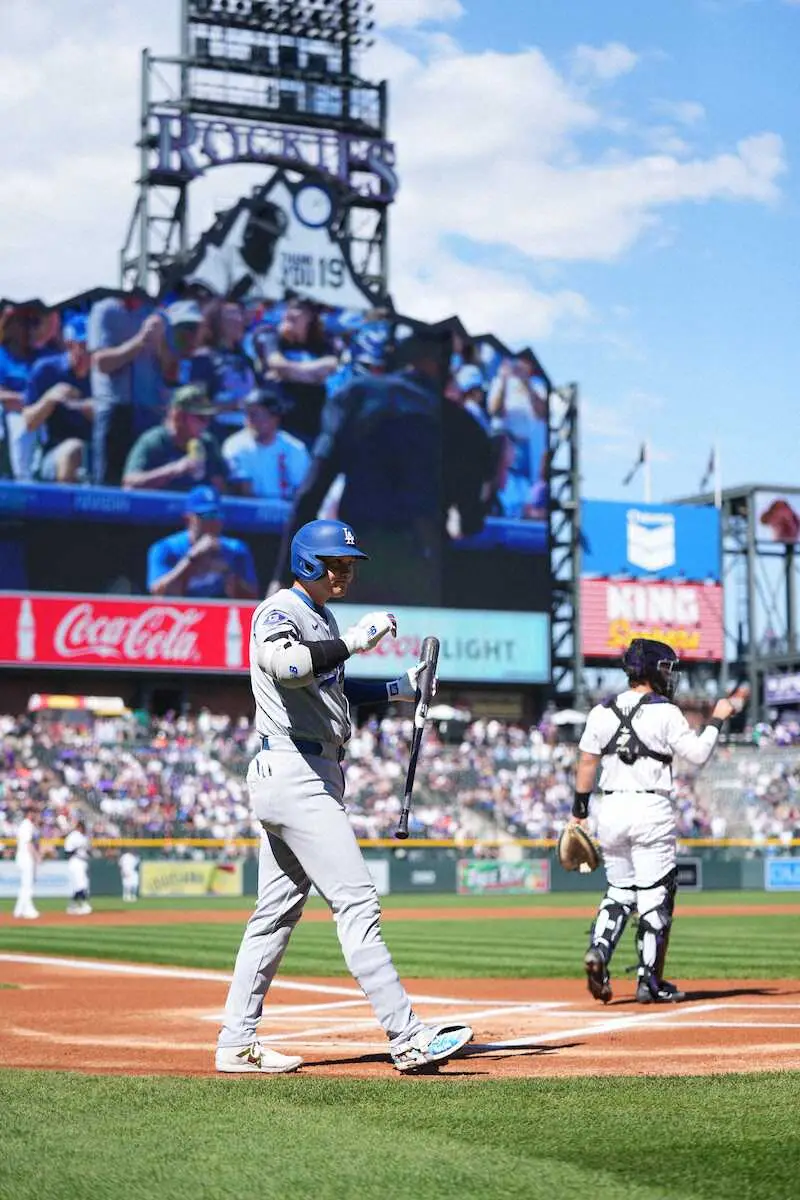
(632, 738)
(296, 787)
(76, 848)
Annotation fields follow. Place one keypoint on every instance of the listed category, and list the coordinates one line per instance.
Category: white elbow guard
(288, 662)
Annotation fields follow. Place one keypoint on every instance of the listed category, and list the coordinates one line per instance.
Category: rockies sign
(287, 236)
(189, 146)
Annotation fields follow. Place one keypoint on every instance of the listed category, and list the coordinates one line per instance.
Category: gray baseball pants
(308, 839)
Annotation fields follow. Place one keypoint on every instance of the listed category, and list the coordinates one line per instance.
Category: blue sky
(692, 339)
(615, 183)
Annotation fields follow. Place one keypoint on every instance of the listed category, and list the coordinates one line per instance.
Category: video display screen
(173, 447)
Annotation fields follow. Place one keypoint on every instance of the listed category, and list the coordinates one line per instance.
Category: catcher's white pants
(24, 906)
(637, 834)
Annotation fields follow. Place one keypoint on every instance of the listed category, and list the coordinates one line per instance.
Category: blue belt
(306, 747)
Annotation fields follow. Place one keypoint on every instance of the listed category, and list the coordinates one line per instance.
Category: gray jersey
(319, 711)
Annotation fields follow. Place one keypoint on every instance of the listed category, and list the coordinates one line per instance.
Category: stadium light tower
(274, 82)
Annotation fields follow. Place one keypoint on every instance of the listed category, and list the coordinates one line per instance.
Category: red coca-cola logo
(161, 632)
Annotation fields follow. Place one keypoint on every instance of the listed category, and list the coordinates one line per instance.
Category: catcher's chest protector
(626, 743)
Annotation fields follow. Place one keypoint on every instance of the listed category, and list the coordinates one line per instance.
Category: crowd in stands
(183, 776)
(195, 388)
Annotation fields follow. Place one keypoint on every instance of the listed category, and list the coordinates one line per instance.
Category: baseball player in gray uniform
(632, 738)
(296, 787)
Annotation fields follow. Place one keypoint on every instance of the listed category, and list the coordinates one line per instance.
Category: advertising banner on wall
(778, 517)
(782, 689)
(52, 879)
(655, 540)
(477, 877)
(782, 874)
(135, 634)
(165, 877)
(689, 617)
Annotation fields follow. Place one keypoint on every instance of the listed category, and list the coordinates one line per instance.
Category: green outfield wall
(207, 867)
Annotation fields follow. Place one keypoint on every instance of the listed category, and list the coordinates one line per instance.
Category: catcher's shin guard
(612, 917)
(656, 907)
(609, 925)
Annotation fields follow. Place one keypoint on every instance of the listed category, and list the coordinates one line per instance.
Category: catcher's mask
(656, 663)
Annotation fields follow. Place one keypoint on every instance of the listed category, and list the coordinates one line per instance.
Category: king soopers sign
(189, 146)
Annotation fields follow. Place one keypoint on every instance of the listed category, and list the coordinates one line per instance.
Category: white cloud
(501, 150)
(409, 13)
(684, 112)
(439, 285)
(604, 63)
(665, 139)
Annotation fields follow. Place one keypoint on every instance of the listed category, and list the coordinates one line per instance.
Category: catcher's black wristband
(580, 805)
(716, 723)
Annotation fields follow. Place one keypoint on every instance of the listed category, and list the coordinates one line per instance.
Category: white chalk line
(610, 1022)
(205, 976)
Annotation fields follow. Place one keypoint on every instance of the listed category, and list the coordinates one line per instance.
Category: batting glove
(369, 631)
(405, 688)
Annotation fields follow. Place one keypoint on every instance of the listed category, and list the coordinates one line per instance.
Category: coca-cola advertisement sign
(112, 631)
(689, 617)
(124, 634)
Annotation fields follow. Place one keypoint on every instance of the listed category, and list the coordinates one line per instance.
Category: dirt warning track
(119, 1018)
(214, 916)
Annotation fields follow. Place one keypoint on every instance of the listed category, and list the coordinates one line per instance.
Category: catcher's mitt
(576, 850)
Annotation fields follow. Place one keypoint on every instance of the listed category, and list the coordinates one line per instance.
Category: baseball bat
(429, 657)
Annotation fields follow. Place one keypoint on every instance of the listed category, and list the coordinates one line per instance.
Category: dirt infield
(118, 1018)
(210, 916)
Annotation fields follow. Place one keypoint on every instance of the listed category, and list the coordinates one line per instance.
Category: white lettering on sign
(647, 605)
(160, 632)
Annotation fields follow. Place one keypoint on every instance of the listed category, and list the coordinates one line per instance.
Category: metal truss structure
(287, 64)
(565, 547)
(760, 573)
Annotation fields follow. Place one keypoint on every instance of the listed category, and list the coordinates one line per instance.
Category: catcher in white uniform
(296, 787)
(632, 739)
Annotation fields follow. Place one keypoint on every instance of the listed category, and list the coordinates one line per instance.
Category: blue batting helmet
(318, 540)
(656, 663)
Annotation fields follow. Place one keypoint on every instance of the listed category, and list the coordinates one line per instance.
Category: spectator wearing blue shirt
(126, 340)
(184, 361)
(232, 371)
(16, 361)
(59, 408)
(199, 563)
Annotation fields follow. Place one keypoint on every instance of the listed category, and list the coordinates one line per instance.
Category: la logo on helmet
(349, 537)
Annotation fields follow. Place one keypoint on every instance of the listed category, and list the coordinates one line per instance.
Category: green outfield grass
(68, 1137)
(581, 900)
(758, 946)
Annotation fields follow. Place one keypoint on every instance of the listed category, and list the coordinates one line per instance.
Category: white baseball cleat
(255, 1059)
(30, 914)
(431, 1044)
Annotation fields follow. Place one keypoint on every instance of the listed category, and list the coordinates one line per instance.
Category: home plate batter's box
(477, 877)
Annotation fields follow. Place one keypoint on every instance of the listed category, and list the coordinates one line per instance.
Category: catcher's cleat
(598, 979)
(658, 991)
(431, 1044)
(255, 1059)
